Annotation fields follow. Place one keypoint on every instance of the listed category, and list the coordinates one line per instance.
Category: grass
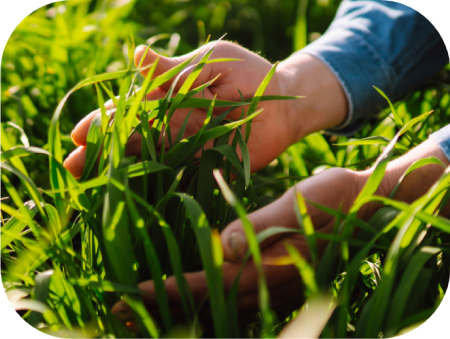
(71, 249)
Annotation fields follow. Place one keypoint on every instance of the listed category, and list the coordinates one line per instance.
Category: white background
(12, 12)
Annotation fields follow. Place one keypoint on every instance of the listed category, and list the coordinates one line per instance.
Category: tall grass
(72, 248)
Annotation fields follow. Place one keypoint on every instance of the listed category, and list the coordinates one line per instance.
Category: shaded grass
(73, 248)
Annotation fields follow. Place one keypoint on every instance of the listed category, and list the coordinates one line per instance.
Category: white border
(12, 12)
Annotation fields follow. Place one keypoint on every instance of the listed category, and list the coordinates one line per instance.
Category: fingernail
(140, 47)
(238, 244)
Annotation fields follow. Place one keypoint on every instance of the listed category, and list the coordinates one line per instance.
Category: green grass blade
(264, 302)
(255, 101)
(397, 119)
(152, 261)
(306, 271)
(212, 263)
(206, 103)
(19, 152)
(94, 142)
(377, 140)
(245, 157)
(306, 224)
(180, 134)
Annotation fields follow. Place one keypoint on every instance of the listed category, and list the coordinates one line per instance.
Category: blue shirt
(383, 44)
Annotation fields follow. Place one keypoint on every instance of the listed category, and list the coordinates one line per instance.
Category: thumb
(280, 213)
(148, 56)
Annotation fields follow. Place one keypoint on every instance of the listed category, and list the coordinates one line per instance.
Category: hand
(330, 188)
(271, 132)
(335, 188)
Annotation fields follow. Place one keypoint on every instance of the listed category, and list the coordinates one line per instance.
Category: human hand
(331, 188)
(272, 130)
(335, 188)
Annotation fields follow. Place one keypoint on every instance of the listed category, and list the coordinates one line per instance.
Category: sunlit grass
(72, 248)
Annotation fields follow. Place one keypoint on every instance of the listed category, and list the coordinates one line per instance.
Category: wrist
(324, 104)
(416, 183)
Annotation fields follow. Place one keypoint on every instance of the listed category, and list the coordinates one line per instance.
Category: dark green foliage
(71, 249)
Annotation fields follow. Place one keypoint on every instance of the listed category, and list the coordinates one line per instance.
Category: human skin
(281, 124)
(334, 188)
(276, 128)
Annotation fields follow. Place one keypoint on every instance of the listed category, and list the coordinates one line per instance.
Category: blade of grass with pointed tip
(163, 78)
(264, 303)
(30, 186)
(306, 271)
(101, 105)
(373, 141)
(180, 134)
(183, 150)
(6, 145)
(23, 136)
(245, 157)
(200, 88)
(17, 223)
(397, 119)
(175, 260)
(230, 154)
(205, 103)
(133, 111)
(143, 318)
(147, 136)
(221, 130)
(152, 261)
(135, 170)
(94, 143)
(306, 224)
(205, 186)
(255, 101)
(189, 81)
(110, 94)
(19, 152)
(212, 264)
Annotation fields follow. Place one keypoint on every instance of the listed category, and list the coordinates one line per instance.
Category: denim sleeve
(378, 43)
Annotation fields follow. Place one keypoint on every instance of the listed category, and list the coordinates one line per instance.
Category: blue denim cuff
(442, 138)
(358, 67)
(377, 43)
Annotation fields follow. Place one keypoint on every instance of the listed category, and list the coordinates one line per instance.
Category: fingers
(148, 56)
(74, 163)
(279, 213)
(283, 281)
(80, 132)
(76, 160)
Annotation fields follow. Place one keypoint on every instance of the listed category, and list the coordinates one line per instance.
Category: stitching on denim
(419, 50)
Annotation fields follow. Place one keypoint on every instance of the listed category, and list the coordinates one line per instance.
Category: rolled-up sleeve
(378, 43)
